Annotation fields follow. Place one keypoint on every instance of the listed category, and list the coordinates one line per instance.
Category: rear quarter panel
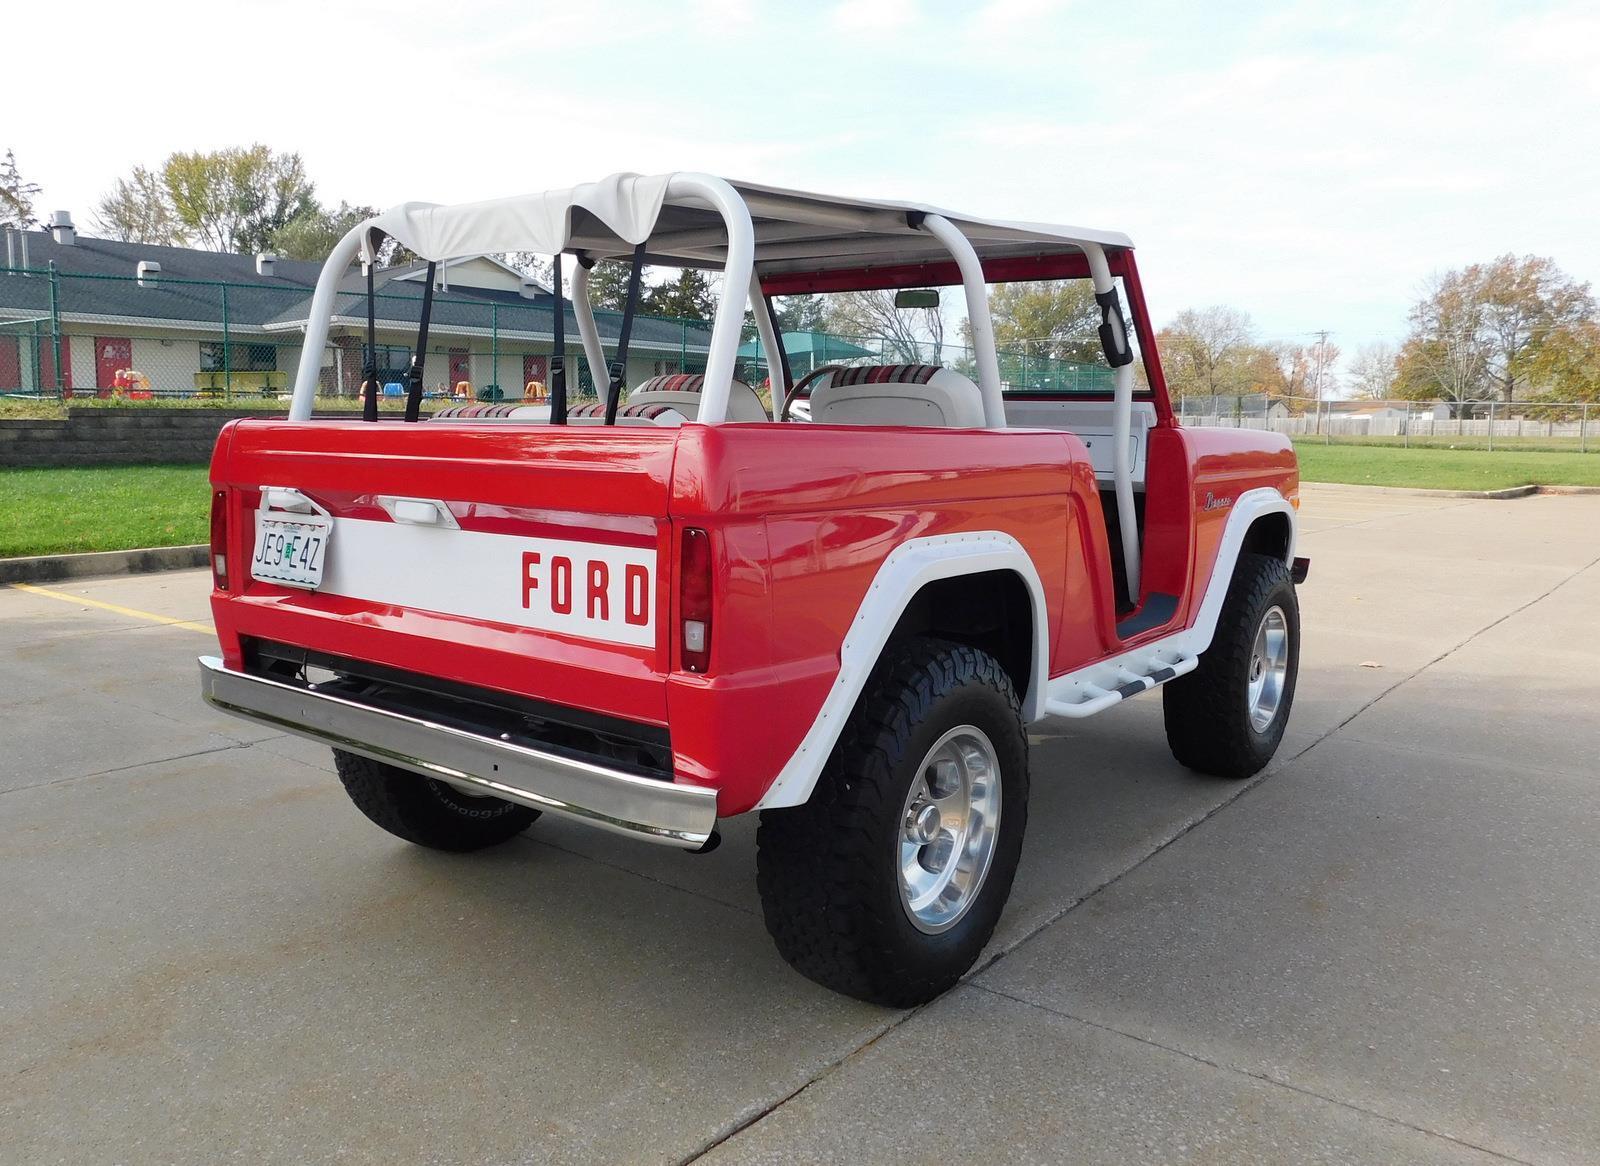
(806, 516)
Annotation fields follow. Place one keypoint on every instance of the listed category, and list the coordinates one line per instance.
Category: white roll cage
(699, 220)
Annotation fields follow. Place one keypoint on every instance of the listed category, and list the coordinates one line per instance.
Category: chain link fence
(79, 338)
(1570, 426)
(84, 337)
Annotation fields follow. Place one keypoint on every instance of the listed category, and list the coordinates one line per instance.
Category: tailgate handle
(419, 511)
(288, 498)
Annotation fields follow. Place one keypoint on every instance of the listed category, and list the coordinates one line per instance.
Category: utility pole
(1320, 359)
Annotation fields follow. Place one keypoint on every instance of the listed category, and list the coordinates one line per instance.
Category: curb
(49, 568)
(1417, 492)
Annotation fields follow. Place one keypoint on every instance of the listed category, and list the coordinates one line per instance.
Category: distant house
(192, 320)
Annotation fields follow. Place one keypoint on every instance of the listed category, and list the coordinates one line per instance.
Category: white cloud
(872, 16)
(1305, 162)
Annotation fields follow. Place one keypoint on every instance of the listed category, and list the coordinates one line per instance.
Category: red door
(460, 366)
(110, 354)
(47, 365)
(535, 368)
(10, 364)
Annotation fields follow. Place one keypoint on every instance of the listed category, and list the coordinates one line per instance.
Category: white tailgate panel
(595, 590)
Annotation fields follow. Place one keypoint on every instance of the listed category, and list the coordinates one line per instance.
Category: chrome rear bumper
(640, 807)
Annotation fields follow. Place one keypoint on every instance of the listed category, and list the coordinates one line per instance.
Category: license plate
(291, 551)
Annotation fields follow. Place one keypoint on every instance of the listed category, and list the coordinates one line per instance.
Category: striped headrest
(646, 409)
(588, 409)
(883, 374)
(674, 382)
(481, 410)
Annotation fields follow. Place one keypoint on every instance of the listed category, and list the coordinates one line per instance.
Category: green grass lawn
(1443, 469)
(112, 508)
(108, 508)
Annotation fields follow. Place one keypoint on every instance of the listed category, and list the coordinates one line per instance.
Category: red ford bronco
(678, 604)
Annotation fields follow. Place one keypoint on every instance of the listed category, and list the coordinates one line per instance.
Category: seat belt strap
(558, 348)
(619, 363)
(420, 354)
(369, 368)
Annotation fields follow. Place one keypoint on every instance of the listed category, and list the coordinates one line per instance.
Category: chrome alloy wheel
(948, 829)
(1269, 668)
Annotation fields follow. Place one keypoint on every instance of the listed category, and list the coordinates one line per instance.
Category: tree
(226, 200)
(1567, 365)
(312, 233)
(608, 284)
(1526, 302)
(1444, 357)
(532, 263)
(237, 199)
(1478, 332)
(138, 211)
(801, 313)
(908, 335)
(687, 297)
(1373, 369)
(16, 196)
(1299, 372)
(1209, 352)
(1055, 318)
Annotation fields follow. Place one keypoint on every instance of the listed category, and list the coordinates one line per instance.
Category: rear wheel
(887, 884)
(1226, 718)
(426, 811)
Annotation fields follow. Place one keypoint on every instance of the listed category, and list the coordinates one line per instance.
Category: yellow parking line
(131, 612)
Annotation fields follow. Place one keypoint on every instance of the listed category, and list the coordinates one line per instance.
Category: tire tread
(412, 807)
(1202, 710)
(819, 866)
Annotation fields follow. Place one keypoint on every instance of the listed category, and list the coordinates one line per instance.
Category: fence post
(55, 325)
(1491, 426)
(683, 345)
(227, 350)
(1405, 432)
(1583, 429)
(494, 344)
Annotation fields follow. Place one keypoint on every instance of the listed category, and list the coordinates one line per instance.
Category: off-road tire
(1207, 712)
(828, 870)
(428, 812)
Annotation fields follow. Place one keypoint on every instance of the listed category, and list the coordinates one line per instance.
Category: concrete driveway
(1384, 950)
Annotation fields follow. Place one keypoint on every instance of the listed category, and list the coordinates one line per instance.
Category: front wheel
(887, 884)
(1226, 718)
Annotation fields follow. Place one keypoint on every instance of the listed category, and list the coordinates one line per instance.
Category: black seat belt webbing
(619, 363)
(420, 354)
(558, 348)
(369, 369)
(782, 377)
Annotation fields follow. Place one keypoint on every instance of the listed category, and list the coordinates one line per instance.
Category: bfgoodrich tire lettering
(830, 871)
(428, 812)
(1208, 712)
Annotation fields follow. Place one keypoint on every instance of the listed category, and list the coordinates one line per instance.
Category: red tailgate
(544, 572)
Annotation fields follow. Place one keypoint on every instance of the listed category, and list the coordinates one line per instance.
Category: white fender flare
(909, 568)
(1247, 508)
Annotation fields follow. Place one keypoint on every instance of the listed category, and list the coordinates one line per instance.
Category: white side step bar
(1099, 686)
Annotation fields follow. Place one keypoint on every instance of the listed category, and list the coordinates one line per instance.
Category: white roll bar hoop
(1121, 431)
(972, 282)
(702, 190)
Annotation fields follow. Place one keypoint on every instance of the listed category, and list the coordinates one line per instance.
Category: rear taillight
(219, 540)
(694, 599)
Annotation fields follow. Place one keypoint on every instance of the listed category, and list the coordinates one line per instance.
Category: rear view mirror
(913, 297)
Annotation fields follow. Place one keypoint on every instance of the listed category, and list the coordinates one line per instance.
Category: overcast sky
(1308, 163)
